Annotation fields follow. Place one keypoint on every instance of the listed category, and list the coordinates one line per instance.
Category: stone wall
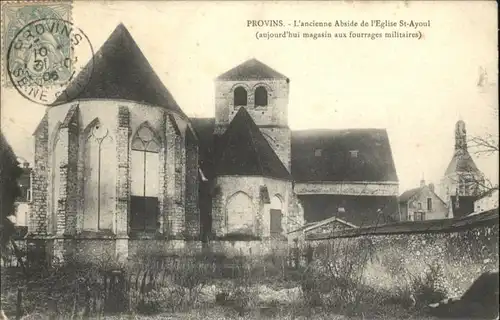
(460, 255)
(348, 188)
(248, 248)
(275, 113)
(192, 186)
(37, 225)
(226, 247)
(93, 250)
(101, 250)
(230, 186)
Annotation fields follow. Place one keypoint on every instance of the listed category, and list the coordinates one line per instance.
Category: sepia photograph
(249, 160)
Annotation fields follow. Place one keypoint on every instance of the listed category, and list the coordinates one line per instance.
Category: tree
(9, 191)
(486, 145)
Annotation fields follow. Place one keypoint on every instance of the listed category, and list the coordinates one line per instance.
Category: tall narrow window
(99, 179)
(429, 204)
(56, 182)
(145, 180)
(260, 96)
(240, 97)
(179, 190)
(275, 228)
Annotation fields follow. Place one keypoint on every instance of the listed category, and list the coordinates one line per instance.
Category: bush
(68, 289)
(428, 288)
(334, 280)
(161, 282)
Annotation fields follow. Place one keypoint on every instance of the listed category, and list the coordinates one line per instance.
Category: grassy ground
(220, 313)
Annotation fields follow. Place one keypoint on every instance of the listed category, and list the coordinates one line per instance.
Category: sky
(417, 89)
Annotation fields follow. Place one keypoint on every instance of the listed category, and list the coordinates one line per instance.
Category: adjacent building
(348, 173)
(422, 203)
(321, 228)
(487, 201)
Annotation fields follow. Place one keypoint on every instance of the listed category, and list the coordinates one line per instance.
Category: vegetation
(273, 286)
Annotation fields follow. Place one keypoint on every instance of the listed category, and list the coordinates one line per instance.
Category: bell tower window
(260, 97)
(240, 97)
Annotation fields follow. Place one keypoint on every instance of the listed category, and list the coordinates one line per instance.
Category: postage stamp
(45, 56)
(17, 14)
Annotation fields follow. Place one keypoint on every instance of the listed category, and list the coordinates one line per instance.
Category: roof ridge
(120, 70)
(461, 155)
(251, 69)
(245, 151)
(259, 162)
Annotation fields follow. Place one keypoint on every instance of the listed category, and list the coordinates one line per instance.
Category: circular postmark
(50, 61)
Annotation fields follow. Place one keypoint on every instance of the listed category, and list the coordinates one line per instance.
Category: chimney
(431, 186)
(422, 183)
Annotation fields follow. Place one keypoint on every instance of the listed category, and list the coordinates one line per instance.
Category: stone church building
(123, 164)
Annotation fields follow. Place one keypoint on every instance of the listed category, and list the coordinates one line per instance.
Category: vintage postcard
(249, 159)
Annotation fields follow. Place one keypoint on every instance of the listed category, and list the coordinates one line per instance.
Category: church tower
(460, 137)
(263, 92)
(462, 177)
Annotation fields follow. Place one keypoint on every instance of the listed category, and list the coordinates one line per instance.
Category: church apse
(116, 177)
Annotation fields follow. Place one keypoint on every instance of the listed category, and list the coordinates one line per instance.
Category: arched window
(239, 211)
(145, 180)
(260, 96)
(99, 178)
(240, 97)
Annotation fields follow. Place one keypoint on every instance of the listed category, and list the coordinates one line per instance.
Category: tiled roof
(342, 155)
(243, 150)
(251, 69)
(121, 71)
(461, 162)
(405, 196)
